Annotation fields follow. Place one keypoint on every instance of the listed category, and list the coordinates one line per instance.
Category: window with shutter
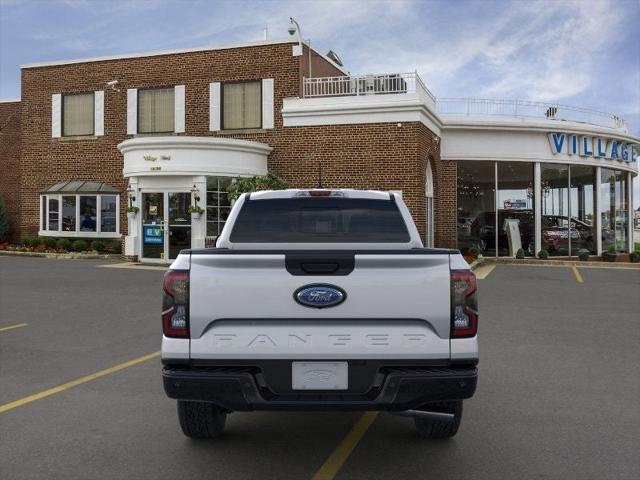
(156, 110)
(241, 105)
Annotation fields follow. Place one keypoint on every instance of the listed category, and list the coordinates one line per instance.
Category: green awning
(81, 186)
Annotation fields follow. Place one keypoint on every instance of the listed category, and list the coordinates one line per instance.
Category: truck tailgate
(243, 306)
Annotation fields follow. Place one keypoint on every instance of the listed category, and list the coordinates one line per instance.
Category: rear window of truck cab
(319, 220)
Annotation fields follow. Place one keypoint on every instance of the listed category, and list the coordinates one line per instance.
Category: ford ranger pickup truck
(320, 300)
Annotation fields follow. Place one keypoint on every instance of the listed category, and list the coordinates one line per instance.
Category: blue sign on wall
(153, 235)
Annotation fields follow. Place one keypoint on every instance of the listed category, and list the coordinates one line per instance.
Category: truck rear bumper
(237, 388)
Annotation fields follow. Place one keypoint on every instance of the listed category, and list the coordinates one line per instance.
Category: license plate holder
(319, 375)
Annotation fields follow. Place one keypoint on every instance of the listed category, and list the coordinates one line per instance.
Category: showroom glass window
(156, 110)
(78, 215)
(554, 182)
(476, 207)
(614, 210)
(581, 204)
(241, 105)
(218, 205)
(516, 225)
(78, 114)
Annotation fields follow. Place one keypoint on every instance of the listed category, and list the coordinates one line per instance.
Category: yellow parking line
(332, 465)
(11, 327)
(74, 383)
(577, 274)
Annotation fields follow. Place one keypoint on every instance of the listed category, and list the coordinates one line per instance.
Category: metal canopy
(81, 186)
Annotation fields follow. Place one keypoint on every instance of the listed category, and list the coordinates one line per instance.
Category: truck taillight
(464, 304)
(175, 304)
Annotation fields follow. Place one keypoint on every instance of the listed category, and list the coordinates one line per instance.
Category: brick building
(165, 130)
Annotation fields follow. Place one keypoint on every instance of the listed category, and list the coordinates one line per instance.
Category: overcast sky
(583, 52)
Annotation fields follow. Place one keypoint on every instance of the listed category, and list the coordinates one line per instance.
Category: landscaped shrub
(583, 256)
(634, 257)
(115, 247)
(473, 252)
(48, 242)
(543, 254)
(79, 246)
(97, 245)
(520, 253)
(64, 244)
(29, 242)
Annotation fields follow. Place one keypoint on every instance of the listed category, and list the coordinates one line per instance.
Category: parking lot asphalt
(557, 394)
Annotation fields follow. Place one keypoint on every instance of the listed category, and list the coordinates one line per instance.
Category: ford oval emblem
(319, 296)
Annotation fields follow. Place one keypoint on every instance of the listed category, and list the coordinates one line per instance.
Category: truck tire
(201, 420)
(430, 428)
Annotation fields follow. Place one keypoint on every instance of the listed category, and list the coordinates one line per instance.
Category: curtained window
(241, 105)
(156, 110)
(77, 114)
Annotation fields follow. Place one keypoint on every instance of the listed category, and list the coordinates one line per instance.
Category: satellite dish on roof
(334, 57)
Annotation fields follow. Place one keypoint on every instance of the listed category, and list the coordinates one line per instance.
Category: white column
(630, 211)
(537, 207)
(597, 213)
(199, 227)
(132, 242)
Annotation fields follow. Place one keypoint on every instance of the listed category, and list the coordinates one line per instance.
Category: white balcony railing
(528, 109)
(357, 85)
(402, 83)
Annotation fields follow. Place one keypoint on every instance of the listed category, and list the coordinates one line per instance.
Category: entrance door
(166, 225)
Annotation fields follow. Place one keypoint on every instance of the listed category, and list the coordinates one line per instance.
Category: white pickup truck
(320, 300)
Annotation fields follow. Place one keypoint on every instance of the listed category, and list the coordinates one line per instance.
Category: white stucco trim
(175, 156)
(392, 108)
(10, 100)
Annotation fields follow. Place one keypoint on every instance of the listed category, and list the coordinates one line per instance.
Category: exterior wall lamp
(195, 194)
(131, 192)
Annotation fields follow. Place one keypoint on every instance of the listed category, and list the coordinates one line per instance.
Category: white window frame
(44, 216)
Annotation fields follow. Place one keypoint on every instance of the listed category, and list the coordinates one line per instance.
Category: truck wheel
(430, 428)
(201, 420)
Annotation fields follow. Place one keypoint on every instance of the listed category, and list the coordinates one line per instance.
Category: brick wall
(47, 160)
(375, 156)
(10, 163)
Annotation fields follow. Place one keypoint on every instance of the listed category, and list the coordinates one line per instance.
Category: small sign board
(152, 235)
(515, 204)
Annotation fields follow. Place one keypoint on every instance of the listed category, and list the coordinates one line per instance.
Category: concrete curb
(63, 256)
(554, 263)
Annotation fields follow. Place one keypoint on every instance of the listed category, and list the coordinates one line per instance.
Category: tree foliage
(254, 184)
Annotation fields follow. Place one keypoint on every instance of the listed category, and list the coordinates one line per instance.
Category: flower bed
(63, 245)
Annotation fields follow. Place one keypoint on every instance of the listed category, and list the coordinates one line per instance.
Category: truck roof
(337, 192)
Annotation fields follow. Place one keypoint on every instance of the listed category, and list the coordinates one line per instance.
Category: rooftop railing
(401, 83)
(528, 109)
(357, 85)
